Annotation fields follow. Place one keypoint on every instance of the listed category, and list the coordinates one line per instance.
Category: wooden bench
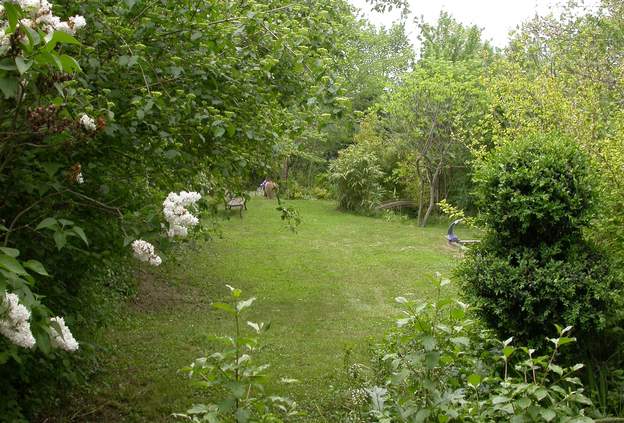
(397, 204)
(237, 203)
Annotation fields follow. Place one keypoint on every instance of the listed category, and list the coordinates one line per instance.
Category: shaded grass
(327, 289)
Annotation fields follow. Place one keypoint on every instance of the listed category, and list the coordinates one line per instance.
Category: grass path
(326, 289)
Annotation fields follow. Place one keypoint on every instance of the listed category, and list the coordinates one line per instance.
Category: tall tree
(436, 114)
(450, 40)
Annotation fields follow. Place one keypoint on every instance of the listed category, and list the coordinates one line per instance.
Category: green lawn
(327, 288)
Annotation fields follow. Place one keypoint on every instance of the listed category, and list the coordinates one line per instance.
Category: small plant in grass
(232, 376)
(440, 365)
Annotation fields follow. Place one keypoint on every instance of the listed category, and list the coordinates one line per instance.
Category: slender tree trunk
(432, 195)
(421, 190)
(285, 169)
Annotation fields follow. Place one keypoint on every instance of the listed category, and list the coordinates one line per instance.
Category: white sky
(496, 17)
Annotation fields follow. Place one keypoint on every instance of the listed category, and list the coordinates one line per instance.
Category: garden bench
(397, 204)
(237, 203)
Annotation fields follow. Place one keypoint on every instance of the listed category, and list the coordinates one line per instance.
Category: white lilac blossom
(77, 22)
(88, 122)
(177, 214)
(39, 16)
(155, 261)
(63, 340)
(14, 322)
(144, 251)
(5, 41)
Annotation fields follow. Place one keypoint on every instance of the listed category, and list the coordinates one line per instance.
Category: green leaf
(524, 403)
(422, 415)
(60, 240)
(548, 414)
(555, 368)
(50, 58)
(237, 389)
(171, 154)
(224, 307)
(33, 36)
(458, 313)
(12, 13)
(60, 37)
(133, 60)
(565, 340)
(432, 359)
(241, 305)
(474, 380)
(7, 64)
(12, 265)
(69, 64)
(218, 131)
(403, 322)
(47, 223)
(36, 267)
(500, 399)
(540, 394)
(428, 342)
(11, 252)
(80, 232)
(507, 351)
(8, 86)
(242, 415)
(461, 340)
(4, 228)
(22, 64)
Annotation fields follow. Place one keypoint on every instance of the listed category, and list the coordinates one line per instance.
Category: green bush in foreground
(533, 268)
(440, 365)
(232, 376)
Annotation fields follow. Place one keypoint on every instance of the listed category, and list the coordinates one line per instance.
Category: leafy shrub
(292, 190)
(321, 193)
(534, 268)
(357, 176)
(523, 291)
(441, 365)
(535, 190)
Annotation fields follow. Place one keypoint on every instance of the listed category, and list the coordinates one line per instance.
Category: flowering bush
(103, 116)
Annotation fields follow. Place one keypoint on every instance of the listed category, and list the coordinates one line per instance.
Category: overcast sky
(496, 17)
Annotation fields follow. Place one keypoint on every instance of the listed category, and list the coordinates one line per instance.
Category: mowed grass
(326, 289)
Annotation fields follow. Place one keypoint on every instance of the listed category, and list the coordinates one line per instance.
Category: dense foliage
(124, 125)
(535, 190)
(433, 117)
(148, 98)
(440, 365)
(534, 268)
